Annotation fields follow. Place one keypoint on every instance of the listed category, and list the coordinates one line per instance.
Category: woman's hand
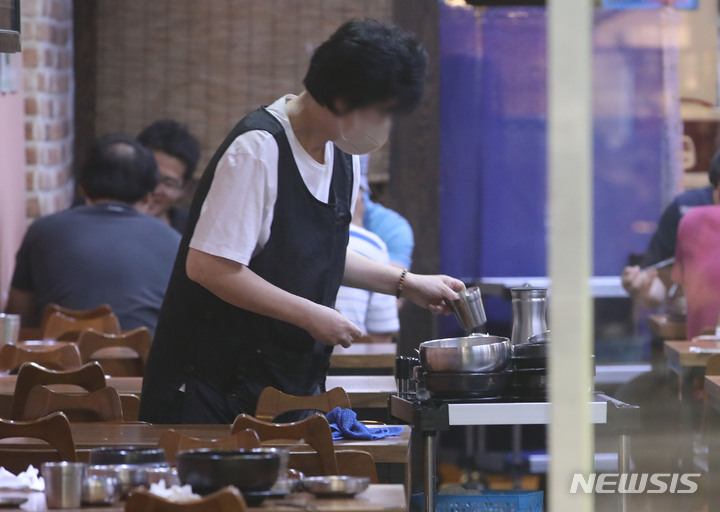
(331, 328)
(432, 292)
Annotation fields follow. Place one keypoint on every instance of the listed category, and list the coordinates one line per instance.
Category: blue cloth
(344, 425)
(392, 228)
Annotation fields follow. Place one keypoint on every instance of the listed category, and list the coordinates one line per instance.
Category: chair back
(315, 431)
(138, 341)
(101, 405)
(228, 499)
(272, 402)
(54, 429)
(174, 442)
(63, 357)
(350, 463)
(58, 321)
(130, 407)
(713, 366)
(89, 377)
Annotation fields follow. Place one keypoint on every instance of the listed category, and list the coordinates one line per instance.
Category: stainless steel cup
(9, 328)
(282, 484)
(469, 309)
(63, 484)
(100, 490)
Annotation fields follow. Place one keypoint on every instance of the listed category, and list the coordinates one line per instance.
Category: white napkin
(28, 480)
(174, 493)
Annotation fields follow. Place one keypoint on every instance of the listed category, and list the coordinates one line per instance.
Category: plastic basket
(650, 4)
(486, 501)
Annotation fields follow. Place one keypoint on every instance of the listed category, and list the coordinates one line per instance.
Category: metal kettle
(529, 305)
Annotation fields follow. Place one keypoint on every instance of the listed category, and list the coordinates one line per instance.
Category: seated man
(104, 251)
(697, 267)
(177, 153)
(375, 314)
(649, 287)
(390, 226)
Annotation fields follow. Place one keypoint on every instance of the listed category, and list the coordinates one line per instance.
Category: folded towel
(344, 425)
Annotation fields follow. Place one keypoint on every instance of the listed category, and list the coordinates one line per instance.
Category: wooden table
(365, 355)
(378, 497)
(359, 355)
(661, 326)
(391, 450)
(369, 392)
(124, 385)
(682, 356)
(712, 429)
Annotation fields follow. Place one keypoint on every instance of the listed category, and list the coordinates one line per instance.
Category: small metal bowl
(169, 475)
(100, 490)
(335, 486)
(471, 354)
(130, 476)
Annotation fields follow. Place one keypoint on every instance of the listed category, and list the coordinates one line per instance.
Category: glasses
(171, 183)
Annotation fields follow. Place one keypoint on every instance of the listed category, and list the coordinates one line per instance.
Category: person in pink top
(697, 266)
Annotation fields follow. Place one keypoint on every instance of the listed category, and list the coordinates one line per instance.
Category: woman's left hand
(432, 292)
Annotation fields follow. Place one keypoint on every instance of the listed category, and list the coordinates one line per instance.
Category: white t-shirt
(373, 313)
(237, 214)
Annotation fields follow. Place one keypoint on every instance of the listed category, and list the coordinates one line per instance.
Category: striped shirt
(372, 313)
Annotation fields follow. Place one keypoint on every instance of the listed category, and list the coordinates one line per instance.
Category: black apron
(224, 356)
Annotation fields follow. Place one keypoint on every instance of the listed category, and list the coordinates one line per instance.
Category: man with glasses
(177, 153)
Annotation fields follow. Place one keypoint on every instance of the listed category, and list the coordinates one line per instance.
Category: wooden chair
(64, 357)
(101, 405)
(130, 407)
(315, 431)
(228, 499)
(174, 442)
(54, 429)
(92, 343)
(59, 321)
(712, 369)
(98, 312)
(89, 377)
(272, 403)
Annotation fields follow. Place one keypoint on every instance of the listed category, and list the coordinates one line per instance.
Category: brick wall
(207, 63)
(48, 87)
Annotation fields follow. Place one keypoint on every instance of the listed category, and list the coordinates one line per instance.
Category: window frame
(10, 37)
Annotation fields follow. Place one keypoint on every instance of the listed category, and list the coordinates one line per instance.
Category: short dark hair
(366, 62)
(174, 139)
(715, 170)
(118, 167)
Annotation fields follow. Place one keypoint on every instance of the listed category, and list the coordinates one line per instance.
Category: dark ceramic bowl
(127, 455)
(253, 471)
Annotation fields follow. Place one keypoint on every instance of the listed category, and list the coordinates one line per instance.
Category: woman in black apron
(231, 326)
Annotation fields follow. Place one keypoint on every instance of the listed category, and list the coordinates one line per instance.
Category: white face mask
(363, 137)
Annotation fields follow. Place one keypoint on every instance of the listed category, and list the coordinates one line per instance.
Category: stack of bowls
(529, 368)
(128, 464)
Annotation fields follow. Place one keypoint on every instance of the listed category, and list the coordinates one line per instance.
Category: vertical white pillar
(570, 247)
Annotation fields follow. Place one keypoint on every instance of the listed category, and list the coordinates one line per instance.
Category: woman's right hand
(331, 328)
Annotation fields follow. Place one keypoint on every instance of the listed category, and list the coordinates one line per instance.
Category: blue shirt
(393, 229)
(372, 313)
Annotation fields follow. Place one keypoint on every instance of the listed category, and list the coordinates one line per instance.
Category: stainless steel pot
(478, 353)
